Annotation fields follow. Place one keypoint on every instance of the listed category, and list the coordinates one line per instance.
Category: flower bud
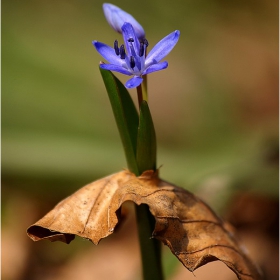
(116, 17)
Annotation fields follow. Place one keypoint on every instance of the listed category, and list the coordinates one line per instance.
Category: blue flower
(116, 17)
(130, 59)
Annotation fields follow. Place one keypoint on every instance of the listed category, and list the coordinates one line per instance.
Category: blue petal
(116, 17)
(156, 67)
(116, 68)
(129, 33)
(134, 82)
(162, 48)
(108, 53)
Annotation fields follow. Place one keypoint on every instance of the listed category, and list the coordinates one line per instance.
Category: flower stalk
(139, 95)
(145, 88)
(150, 247)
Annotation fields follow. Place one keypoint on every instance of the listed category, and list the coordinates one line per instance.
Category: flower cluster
(130, 58)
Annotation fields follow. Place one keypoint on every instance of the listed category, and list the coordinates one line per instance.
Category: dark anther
(132, 62)
(145, 41)
(116, 47)
(122, 52)
(141, 51)
(130, 40)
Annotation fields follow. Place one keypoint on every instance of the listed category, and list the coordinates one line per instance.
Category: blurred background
(215, 110)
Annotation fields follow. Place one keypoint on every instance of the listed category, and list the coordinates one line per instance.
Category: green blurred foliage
(215, 108)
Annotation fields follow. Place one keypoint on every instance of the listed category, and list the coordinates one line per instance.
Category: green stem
(150, 247)
(139, 95)
(145, 89)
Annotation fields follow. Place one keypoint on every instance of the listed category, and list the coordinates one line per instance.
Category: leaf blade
(146, 140)
(125, 114)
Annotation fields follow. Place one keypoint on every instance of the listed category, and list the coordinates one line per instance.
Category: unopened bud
(116, 17)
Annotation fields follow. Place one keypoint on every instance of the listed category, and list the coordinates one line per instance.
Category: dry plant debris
(192, 231)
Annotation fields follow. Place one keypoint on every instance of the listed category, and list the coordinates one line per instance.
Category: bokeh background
(215, 111)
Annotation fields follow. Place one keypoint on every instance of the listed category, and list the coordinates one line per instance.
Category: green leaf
(146, 140)
(126, 116)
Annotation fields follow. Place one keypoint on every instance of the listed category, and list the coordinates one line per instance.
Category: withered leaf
(192, 231)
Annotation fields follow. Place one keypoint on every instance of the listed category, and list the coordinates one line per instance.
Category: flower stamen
(141, 50)
(146, 43)
(116, 47)
(143, 46)
(132, 62)
(122, 52)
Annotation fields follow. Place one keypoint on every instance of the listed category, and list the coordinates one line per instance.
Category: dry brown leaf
(192, 231)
